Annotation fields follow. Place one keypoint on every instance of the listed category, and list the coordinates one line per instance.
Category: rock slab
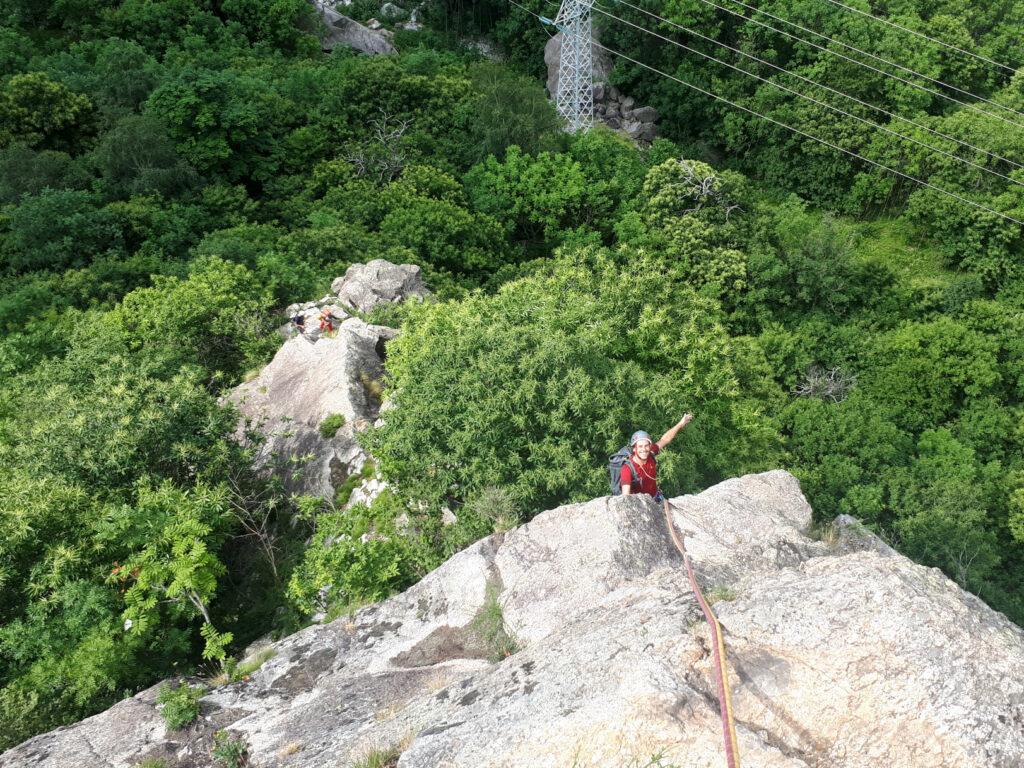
(844, 655)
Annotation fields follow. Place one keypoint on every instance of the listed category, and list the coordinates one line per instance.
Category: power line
(815, 138)
(903, 80)
(965, 161)
(1009, 69)
(827, 143)
(879, 58)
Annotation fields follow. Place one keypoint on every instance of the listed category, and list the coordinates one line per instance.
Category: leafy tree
(507, 109)
(284, 24)
(222, 122)
(40, 112)
(137, 157)
(25, 171)
(531, 388)
(57, 229)
(538, 200)
(173, 536)
(116, 75)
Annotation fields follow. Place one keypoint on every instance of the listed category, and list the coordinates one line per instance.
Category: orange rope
(732, 753)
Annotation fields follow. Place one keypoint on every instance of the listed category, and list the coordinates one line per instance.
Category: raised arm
(669, 436)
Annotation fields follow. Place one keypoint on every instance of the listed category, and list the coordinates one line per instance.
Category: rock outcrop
(343, 31)
(611, 107)
(331, 367)
(364, 287)
(307, 382)
(841, 654)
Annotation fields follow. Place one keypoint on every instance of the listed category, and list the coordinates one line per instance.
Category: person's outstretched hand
(687, 418)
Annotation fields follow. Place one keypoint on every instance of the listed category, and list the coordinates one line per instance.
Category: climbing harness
(732, 754)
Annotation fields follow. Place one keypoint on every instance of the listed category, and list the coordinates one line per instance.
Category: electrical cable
(891, 115)
(878, 58)
(809, 98)
(1008, 68)
(827, 143)
(850, 59)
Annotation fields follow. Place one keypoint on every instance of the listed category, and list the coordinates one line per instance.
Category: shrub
(355, 555)
(229, 751)
(721, 593)
(347, 488)
(329, 427)
(180, 706)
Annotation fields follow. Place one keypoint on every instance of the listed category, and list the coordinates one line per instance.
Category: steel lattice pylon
(575, 97)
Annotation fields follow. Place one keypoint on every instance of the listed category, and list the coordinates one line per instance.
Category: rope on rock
(732, 754)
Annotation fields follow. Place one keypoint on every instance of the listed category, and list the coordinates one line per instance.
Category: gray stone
(627, 105)
(838, 656)
(343, 31)
(633, 127)
(310, 378)
(390, 11)
(366, 286)
(643, 114)
(613, 122)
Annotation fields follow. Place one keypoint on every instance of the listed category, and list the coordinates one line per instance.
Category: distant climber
(634, 469)
(300, 322)
(327, 320)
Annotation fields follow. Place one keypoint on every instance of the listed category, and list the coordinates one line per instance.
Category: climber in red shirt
(640, 473)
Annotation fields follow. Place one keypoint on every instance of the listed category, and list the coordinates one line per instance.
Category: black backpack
(615, 462)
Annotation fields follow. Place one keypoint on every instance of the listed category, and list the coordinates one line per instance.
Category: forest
(174, 173)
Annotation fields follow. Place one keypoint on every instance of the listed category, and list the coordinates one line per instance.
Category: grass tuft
(489, 626)
(721, 593)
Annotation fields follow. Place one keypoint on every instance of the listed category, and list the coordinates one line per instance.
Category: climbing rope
(732, 753)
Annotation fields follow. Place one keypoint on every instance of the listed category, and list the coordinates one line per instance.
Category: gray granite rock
(343, 31)
(311, 377)
(366, 286)
(841, 653)
(643, 114)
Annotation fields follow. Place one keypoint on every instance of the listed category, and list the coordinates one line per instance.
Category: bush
(229, 751)
(180, 706)
(380, 758)
(356, 555)
(329, 426)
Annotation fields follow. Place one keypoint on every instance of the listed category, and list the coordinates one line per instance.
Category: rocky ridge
(841, 654)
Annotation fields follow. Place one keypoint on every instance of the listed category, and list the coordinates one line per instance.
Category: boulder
(840, 654)
(390, 11)
(366, 286)
(341, 30)
(633, 127)
(643, 114)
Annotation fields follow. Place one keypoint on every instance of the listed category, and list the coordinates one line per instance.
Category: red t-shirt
(646, 471)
